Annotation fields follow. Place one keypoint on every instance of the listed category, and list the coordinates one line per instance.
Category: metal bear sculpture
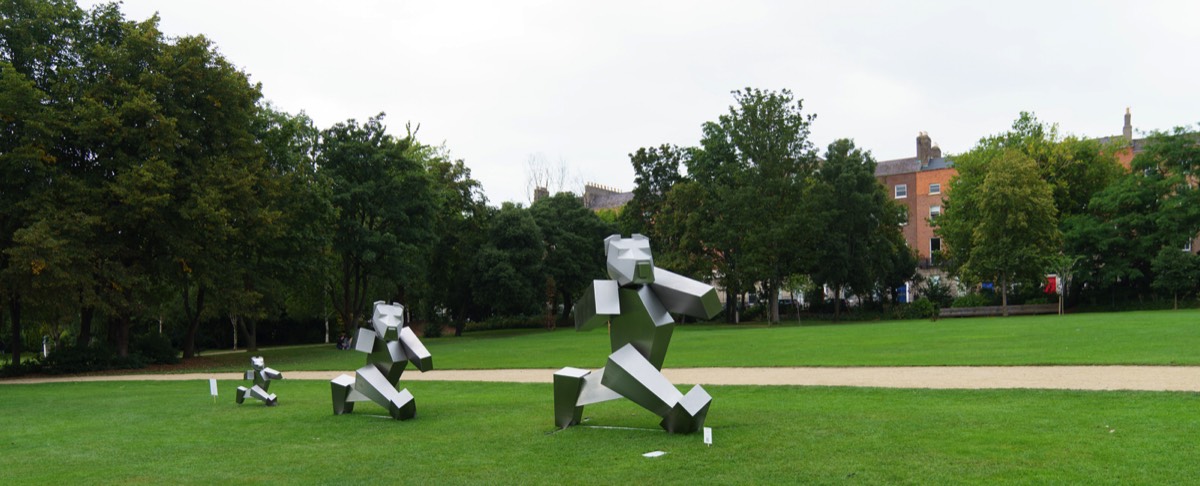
(390, 346)
(637, 303)
(262, 377)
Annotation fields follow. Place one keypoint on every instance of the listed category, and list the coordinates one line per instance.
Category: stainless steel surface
(262, 376)
(636, 303)
(390, 346)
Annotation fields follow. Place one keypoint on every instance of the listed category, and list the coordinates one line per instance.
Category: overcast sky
(589, 82)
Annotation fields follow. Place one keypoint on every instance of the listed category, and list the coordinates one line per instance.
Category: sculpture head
(257, 363)
(629, 259)
(387, 320)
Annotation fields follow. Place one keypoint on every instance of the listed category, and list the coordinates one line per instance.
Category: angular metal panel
(597, 303)
(417, 354)
(688, 415)
(364, 340)
(568, 383)
(685, 296)
(594, 391)
(631, 375)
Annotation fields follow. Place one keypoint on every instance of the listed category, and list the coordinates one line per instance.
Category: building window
(934, 212)
(904, 215)
(1187, 246)
(935, 245)
(935, 188)
(901, 191)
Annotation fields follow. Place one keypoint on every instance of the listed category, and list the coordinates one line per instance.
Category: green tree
(385, 213)
(572, 237)
(1000, 223)
(1127, 224)
(861, 246)
(508, 277)
(755, 163)
(655, 170)
(461, 222)
(1176, 272)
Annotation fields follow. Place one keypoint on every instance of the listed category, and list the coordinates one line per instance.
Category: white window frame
(931, 250)
(935, 188)
(898, 188)
(1188, 246)
(934, 212)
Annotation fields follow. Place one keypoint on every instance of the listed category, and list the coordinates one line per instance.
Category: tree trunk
(1176, 301)
(14, 311)
(85, 326)
(568, 306)
(460, 320)
(773, 302)
(837, 303)
(249, 330)
(193, 316)
(121, 333)
(1004, 295)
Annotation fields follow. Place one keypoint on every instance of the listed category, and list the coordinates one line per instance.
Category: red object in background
(1051, 285)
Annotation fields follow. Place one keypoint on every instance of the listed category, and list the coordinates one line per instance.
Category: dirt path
(1151, 378)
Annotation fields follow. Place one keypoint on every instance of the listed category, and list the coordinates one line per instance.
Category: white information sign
(708, 435)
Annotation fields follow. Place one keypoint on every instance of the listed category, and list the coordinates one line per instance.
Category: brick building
(919, 184)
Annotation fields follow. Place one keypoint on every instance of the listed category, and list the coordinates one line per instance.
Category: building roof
(609, 201)
(939, 163)
(897, 166)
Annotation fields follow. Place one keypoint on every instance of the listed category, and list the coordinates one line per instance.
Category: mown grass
(1144, 338)
(489, 433)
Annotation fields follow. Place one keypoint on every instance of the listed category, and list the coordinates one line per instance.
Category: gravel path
(1151, 378)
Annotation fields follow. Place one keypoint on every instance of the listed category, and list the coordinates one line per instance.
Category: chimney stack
(924, 148)
(1128, 130)
(935, 152)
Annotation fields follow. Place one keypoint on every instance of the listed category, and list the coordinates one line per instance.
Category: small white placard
(708, 435)
(212, 386)
(653, 454)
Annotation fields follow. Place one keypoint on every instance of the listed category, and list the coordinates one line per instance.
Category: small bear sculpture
(390, 345)
(262, 376)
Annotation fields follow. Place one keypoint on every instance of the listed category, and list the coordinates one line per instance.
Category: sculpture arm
(364, 340)
(272, 374)
(599, 302)
(415, 350)
(683, 295)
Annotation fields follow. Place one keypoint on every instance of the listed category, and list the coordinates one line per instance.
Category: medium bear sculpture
(390, 346)
(637, 303)
(262, 377)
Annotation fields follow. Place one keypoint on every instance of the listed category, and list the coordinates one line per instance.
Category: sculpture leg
(568, 383)
(688, 415)
(268, 398)
(403, 406)
(636, 378)
(241, 394)
(341, 387)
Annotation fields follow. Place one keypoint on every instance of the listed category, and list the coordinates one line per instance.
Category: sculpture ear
(609, 240)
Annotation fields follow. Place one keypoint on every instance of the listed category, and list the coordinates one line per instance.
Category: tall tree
(1000, 223)
(1156, 206)
(385, 213)
(655, 170)
(460, 224)
(758, 161)
(508, 276)
(859, 227)
(572, 237)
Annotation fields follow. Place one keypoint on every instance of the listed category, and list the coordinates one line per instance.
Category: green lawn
(486, 433)
(1148, 338)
